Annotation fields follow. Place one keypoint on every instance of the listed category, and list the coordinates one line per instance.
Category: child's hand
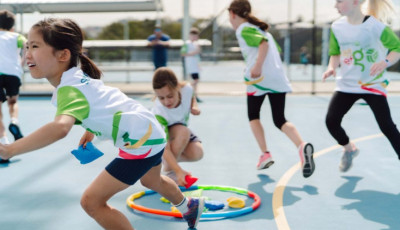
(87, 137)
(180, 177)
(195, 111)
(328, 73)
(255, 71)
(378, 68)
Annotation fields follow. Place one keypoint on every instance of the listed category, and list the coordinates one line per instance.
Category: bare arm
(42, 137)
(379, 67)
(262, 54)
(334, 62)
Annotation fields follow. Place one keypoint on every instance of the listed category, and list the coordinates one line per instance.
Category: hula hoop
(254, 206)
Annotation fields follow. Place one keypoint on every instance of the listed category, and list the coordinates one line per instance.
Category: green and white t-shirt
(109, 114)
(359, 47)
(11, 45)
(273, 78)
(178, 115)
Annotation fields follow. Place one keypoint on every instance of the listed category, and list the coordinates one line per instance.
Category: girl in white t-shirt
(364, 47)
(263, 76)
(54, 49)
(174, 103)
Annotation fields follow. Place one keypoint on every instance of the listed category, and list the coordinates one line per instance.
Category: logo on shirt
(85, 79)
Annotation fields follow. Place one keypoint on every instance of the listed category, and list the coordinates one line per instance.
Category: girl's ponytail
(88, 67)
(242, 8)
(66, 34)
(381, 9)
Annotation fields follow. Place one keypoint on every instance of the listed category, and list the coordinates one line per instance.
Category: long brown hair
(164, 76)
(242, 8)
(66, 34)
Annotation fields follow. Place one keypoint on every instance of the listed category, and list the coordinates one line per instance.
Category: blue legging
(342, 102)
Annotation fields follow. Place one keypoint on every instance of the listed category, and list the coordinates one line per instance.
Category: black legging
(342, 102)
(277, 102)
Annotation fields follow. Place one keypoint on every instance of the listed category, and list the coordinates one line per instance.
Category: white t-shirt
(178, 115)
(273, 78)
(359, 47)
(11, 45)
(109, 114)
(192, 62)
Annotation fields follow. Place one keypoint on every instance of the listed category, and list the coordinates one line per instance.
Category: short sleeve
(334, 48)
(21, 41)
(71, 101)
(252, 36)
(390, 40)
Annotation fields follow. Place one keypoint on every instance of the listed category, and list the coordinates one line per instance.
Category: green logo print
(372, 55)
(358, 57)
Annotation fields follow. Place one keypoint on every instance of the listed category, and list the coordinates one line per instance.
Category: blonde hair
(383, 10)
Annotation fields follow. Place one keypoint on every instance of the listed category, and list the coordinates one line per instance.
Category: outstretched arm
(42, 137)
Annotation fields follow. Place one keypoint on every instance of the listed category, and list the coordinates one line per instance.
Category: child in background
(174, 103)
(191, 52)
(364, 47)
(54, 50)
(264, 75)
(11, 45)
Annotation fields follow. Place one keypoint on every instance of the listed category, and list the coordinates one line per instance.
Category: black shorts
(130, 171)
(195, 76)
(9, 86)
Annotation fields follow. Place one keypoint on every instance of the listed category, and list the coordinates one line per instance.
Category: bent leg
(381, 110)
(94, 202)
(162, 185)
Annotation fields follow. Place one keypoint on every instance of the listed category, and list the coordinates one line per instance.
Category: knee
(12, 100)
(198, 155)
(330, 121)
(89, 205)
(279, 122)
(253, 116)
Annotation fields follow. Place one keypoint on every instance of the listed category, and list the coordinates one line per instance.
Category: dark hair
(242, 8)
(164, 76)
(7, 20)
(66, 34)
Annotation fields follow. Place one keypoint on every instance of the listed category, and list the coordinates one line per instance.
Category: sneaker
(306, 153)
(4, 161)
(347, 160)
(14, 129)
(198, 100)
(265, 161)
(192, 216)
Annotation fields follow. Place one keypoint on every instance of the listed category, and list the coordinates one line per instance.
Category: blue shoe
(192, 216)
(347, 160)
(14, 129)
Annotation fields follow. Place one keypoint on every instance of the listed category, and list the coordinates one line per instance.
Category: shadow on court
(373, 205)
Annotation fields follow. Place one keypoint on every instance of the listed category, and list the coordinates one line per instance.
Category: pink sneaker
(265, 161)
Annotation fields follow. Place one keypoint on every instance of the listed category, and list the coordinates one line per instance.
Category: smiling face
(168, 97)
(41, 58)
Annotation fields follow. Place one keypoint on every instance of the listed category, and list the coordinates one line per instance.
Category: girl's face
(168, 97)
(233, 19)
(345, 6)
(41, 58)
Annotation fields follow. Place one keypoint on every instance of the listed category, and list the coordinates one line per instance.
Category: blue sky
(272, 10)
